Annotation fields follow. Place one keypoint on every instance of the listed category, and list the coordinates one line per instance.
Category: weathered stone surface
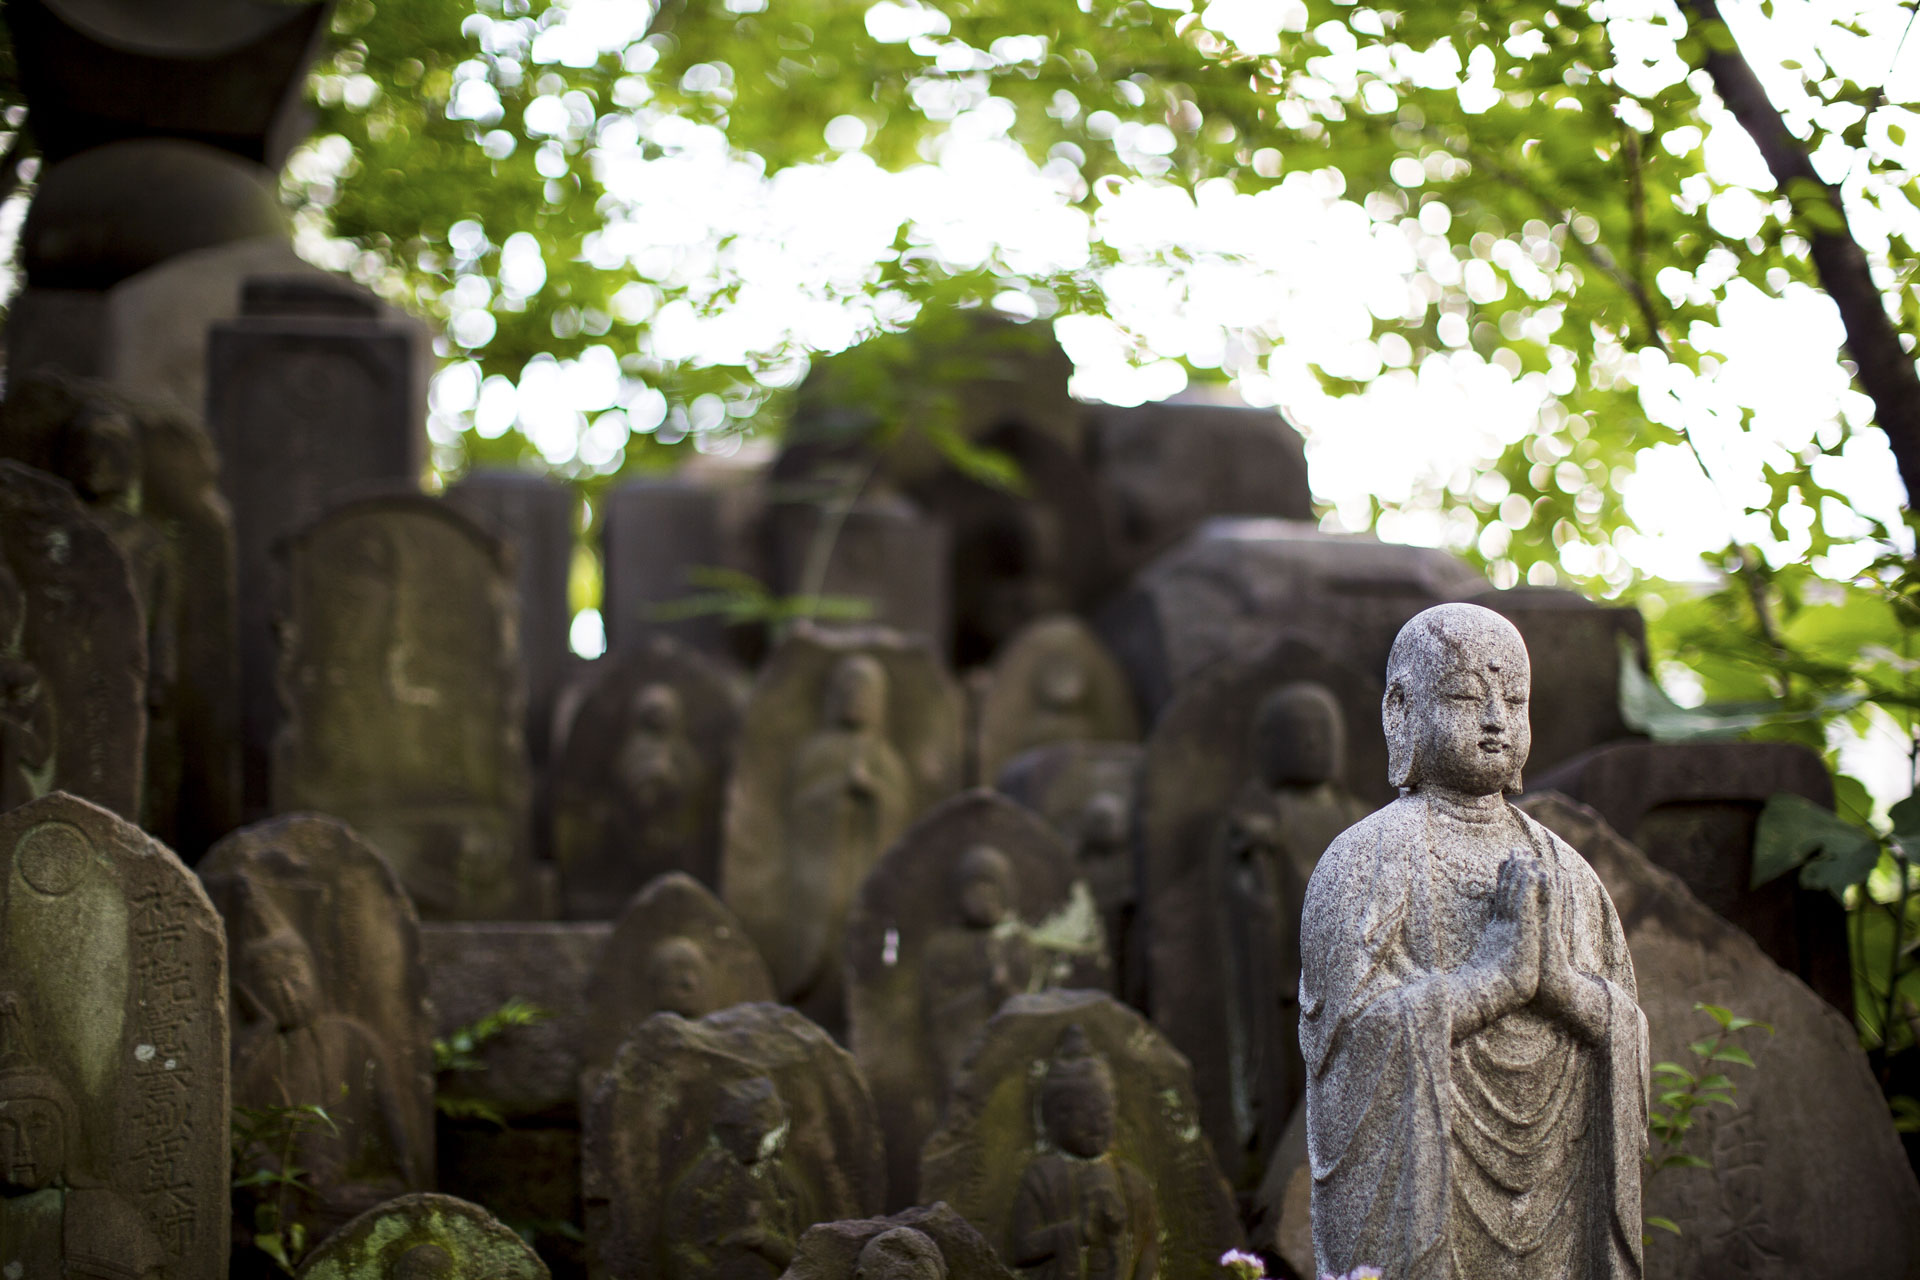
(1245, 782)
(1053, 682)
(641, 775)
(400, 677)
(1692, 808)
(532, 1073)
(1809, 1103)
(1227, 588)
(330, 1009)
(656, 536)
(303, 407)
(977, 902)
(1476, 1063)
(1580, 643)
(534, 515)
(676, 948)
(847, 737)
(148, 475)
(1072, 1100)
(424, 1237)
(948, 1248)
(73, 643)
(881, 551)
(1085, 791)
(113, 1051)
(1162, 469)
(711, 1145)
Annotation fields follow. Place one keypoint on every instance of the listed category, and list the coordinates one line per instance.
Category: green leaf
(1732, 1053)
(1664, 1224)
(1793, 831)
(1906, 821)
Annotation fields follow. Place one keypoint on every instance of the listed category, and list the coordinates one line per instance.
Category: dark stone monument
(1163, 469)
(400, 676)
(1810, 1101)
(1692, 808)
(1072, 1142)
(330, 1005)
(1053, 682)
(424, 1237)
(1232, 584)
(657, 535)
(1244, 784)
(930, 1242)
(977, 902)
(113, 1051)
(639, 781)
(74, 643)
(313, 391)
(713, 1144)
(847, 737)
(675, 949)
(880, 551)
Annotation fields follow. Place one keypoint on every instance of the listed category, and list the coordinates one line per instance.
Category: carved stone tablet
(113, 1051)
(638, 786)
(1053, 682)
(1071, 1127)
(1809, 1103)
(73, 713)
(884, 552)
(329, 1004)
(675, 948)
(847, 737)
(711, 1145)
(424, 1237)
(930, 1242)
(400, 676)
(976, 903)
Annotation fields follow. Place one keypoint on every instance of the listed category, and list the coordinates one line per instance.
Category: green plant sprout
(459, 1052)
(1682, 1093)
(264, 1140)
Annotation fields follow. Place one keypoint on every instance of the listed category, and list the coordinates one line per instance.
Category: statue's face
(1103, 823)
(983, 885)
(1080, 1119)
(32, 1144)
(1469, 719)
(1298, 738)
(104, 453)
(677, 976)
(857, 693)
(656, 711)
(424, 1262)
(900, 1254)
(751, 1123)
(1061, 684)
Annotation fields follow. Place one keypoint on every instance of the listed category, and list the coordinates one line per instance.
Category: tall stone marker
(73, 712)
(1072, 1143)
(113, 1051)
(848, 736)
(330, 1004)
(882, 554)
(1053, 682)
(401, 680)
(976, 903)
(314, 390)
(1810, 1101)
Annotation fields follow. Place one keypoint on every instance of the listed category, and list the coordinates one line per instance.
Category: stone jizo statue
(973, 966)
(900, 1253)
(735, 1213)
(680, 978)
(1476, 1062)
(1081, 1212)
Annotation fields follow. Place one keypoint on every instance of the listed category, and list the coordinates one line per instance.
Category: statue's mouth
(1492, 746)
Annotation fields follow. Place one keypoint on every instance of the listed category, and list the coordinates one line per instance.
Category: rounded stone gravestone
(710, 1146)
(113, 1051)
(926, 1242)
(330, 1004)
(848, 736)
(675, 949)
(977, 902)
(1073, 1126)
(424, 1237)
(639, 782)
(1052, 682)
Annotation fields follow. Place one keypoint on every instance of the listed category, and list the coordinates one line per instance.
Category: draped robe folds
(1515, 1152)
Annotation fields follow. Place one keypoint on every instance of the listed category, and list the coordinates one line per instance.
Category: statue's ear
(1397, 720)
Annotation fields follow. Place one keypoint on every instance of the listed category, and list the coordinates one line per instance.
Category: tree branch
(1886, 371)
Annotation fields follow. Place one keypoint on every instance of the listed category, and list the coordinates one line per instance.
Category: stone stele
(848, 736)
(1052, 682)
(113, 1052)
(1476, 1062)
(73, 651)
(637, 792)
(329, 990)
(424, 1237)
(926, 1242)
(712, 1145)
(1810, 1101)
(1242, 789)
(976, 903)
(1072, 1130)
(677, 949)
(400, 674)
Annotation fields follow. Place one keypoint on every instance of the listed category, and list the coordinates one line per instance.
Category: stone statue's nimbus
(1476, 1061)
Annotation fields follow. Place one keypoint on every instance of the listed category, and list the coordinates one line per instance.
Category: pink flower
(1244, 1265)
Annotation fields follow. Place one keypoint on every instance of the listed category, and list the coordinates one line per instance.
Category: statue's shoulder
(1382, 835)
(1569, 859)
